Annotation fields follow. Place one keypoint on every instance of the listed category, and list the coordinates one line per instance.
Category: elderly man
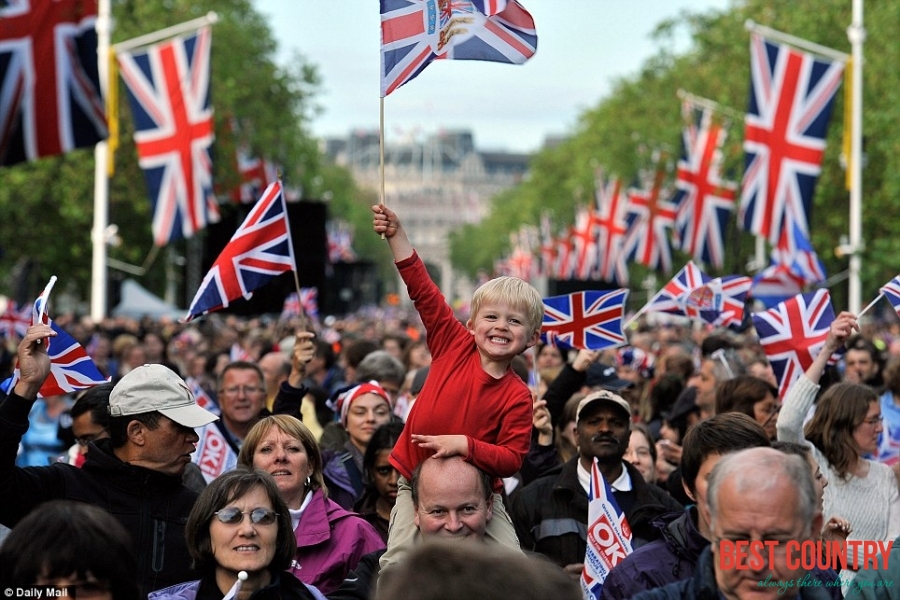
(756, 495)
(135, 474)
(551, 513)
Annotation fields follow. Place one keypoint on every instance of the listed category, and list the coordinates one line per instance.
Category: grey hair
(762, 469)
(380, 366)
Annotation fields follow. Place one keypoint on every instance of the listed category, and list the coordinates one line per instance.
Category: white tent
(138, 302)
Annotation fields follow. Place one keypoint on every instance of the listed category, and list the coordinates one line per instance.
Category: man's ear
(687, 491)
(416, 516)
(136, 432)
(490, 508)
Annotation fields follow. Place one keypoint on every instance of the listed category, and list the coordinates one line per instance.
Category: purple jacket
(330, 542)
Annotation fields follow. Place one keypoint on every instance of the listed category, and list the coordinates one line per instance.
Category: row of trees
(642, 116)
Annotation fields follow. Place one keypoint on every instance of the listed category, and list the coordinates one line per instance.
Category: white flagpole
(857, 35)
(101, 178)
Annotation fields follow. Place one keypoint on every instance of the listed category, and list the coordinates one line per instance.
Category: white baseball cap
(603, 396)
(150, 388)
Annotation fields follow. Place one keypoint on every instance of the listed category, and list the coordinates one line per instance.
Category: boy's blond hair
(515, 293)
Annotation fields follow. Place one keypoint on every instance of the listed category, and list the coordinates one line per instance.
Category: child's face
(501, 332)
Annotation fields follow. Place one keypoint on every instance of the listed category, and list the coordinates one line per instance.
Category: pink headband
(347, 398)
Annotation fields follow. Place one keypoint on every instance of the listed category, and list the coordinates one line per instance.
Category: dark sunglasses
(258, 516)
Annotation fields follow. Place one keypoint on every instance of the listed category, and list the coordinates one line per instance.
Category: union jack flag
(791, 96)
(15, 322)
(891, 291)
(306, 303)
(610, 227)
(71, 369)
(650, 224)
(50, 99)
(204, 400)
(704, 199)
(585, 244)
(672, 297)
(256, 174)
(259, 250)
(548, 247)
(416, 32)
(168, 88)
(588, 320)
(789, 272)
(609, 535)
(720, 301)
(565, 265)
(340, 242)
(797, 251)
(793, 333)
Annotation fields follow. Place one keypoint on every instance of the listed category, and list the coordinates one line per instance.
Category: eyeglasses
(84, 440)
(247, 389)
(874, 420)
(258, 516)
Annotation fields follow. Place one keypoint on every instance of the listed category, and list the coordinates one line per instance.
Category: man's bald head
(452, 498)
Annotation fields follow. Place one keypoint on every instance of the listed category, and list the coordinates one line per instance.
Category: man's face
(603, 432)
(241, 396)
(167, 448)
(85, 431)
(452, 504)
(706, 385)
(759, 515)
(860, 366)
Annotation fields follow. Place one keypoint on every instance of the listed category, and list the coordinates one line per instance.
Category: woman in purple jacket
(330, 540)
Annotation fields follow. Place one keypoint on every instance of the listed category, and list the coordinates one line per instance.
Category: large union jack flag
(50, 99)
(791, 96)
(704, 199)
(168, 87)
(651, 220)
(416, 32)
(672, 297)
(719, 301)
(610, 228)
(588, 320)
(259, 250)
(793, 333)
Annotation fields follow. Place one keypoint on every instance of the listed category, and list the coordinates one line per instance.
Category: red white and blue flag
(651, 220)
(548, 247)
(791, 270)
(259, 251)
(588, 320)
(891, 291)
(720, 301)
(416, 32)
(791, 97)
(610, 228)
(168, 87)
(14, 323)
(672, 298)
(705, 200)
(585, 244)
(565, 264)
(608, 535)
(793, 333)
(50, 100)
(71, 369)
(306, 303)
(255, 173)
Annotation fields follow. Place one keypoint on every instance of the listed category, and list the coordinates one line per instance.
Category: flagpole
(774, 34)
(869, 305)
(710, 104)
(381, 148)
(101, 176)
(857, 35)
(209, 18)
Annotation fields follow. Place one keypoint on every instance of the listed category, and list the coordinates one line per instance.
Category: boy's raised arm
(386, 222)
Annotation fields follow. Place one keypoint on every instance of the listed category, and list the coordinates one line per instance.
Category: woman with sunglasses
(240, 539)
(841, 434)
(329, 540)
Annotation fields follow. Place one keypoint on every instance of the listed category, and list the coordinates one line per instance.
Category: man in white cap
(551, 512)
(135, 474)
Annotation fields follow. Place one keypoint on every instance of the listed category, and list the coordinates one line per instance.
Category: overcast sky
(583, 47)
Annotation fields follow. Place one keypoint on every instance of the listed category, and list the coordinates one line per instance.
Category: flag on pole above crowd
(610, 228)
(791, 96)
(50, 95)
(259, 250)
(168, 88)
(416, 32)
(671, 298)
(705, 200)
(588, 320)
(793, 333)
(651, 219)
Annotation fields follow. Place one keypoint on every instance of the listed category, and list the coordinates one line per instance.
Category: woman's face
(569, 431)
(245, 546)
(765, 412)
(549, 356)
(866, 433)
(284, 458)
(819, 479)
(639, 455)
(385, 477)
(365, 415)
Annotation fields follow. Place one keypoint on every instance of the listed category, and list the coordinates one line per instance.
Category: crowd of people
(422, 453)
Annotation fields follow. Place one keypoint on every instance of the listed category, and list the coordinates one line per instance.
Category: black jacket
(152, 506)
(702, 586)
(550, 514)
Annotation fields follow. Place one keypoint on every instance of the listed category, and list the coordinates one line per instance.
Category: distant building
(436, 184)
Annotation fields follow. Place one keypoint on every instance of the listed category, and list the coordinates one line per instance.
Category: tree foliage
(642, 116)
